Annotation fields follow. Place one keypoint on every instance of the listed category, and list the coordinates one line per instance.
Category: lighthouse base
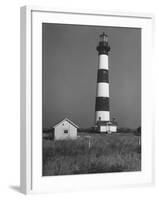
(106, 127)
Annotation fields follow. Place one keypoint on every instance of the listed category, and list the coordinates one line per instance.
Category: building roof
(65, 119)
(104, 123)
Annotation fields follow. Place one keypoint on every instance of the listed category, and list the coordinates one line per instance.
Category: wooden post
(89, 143)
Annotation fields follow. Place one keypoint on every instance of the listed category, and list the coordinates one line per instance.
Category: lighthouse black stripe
(102, 104)
(103, 76)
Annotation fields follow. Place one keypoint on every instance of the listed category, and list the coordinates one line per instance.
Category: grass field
(107, 153)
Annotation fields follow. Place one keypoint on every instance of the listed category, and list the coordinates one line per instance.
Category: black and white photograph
(91, 99)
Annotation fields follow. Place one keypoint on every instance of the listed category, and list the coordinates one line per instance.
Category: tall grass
(111, 153)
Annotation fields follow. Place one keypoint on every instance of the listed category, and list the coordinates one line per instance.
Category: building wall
(113, 128)
(103, 129)
(108, 128)
(65, 130)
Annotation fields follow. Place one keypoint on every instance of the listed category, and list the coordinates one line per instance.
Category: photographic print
(87, 113)
(91, 99)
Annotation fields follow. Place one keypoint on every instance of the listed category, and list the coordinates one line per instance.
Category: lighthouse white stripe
(102, 89)
(103, 61)
(102, 116)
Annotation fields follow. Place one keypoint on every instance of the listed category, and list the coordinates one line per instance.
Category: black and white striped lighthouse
(102, 112)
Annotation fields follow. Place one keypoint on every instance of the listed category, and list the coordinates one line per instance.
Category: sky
(70, 64)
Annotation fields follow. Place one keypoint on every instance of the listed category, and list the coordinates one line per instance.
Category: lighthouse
(102, 106)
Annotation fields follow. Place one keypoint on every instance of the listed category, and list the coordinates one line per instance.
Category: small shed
(106, 127)
(65, 129)
(112, 127)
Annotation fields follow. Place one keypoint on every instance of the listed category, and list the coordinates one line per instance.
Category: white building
(106, 127)
(65, 129)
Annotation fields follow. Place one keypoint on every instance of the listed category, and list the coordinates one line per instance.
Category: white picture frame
(32, 181)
